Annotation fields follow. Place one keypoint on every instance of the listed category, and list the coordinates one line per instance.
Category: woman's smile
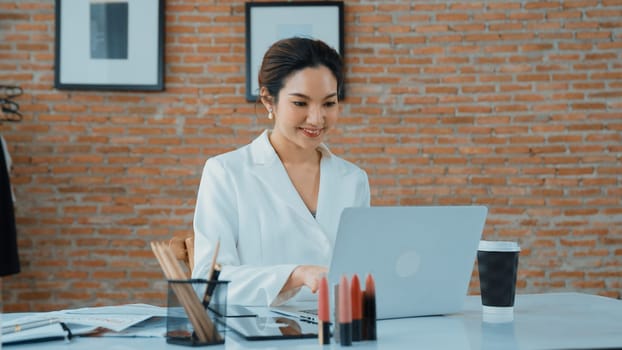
(311, 132)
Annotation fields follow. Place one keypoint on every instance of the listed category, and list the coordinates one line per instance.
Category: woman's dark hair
(290, 55)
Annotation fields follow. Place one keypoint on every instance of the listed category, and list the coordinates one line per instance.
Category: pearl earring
(270, 116)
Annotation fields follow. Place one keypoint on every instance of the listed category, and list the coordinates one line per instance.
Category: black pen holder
(196, 312)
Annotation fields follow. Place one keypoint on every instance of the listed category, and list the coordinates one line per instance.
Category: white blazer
(247, 200)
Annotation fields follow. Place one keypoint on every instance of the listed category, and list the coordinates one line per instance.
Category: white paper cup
(497, 267)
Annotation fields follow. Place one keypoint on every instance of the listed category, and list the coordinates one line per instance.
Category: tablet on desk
(271, 328)
(234, 311)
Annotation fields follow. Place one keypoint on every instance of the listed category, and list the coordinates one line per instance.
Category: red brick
(567, 274)
(588, 284)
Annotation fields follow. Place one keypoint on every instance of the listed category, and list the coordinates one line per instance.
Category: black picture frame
(109, 45)
(267, 22)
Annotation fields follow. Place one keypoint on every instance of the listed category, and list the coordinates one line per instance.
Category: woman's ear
(266, 99)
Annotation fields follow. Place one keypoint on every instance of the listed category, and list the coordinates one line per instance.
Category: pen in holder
(190, 322)
(211, 286)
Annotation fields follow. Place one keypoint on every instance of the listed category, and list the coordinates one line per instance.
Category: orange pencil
(357, 309)
(345, 313)
(369, 309)
(323, 313)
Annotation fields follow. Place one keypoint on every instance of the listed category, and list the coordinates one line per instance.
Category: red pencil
(357, 309)
(369, 309)
(323, 313)
(345, 313)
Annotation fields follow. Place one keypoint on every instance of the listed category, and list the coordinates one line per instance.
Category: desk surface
(541, 321)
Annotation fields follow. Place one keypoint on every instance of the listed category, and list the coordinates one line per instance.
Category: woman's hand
(305, 275)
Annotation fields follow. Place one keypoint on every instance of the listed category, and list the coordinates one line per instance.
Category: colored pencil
(345, 313)
(323, 313)
(357, 309)
(369, 309)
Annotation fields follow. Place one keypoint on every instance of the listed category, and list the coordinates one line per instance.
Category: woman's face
(307, 108)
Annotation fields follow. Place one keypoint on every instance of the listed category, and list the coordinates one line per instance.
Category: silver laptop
(421, 258)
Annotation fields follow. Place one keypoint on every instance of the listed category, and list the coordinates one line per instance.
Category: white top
(247, 200)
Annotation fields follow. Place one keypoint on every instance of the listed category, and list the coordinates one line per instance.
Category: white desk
(541, 321)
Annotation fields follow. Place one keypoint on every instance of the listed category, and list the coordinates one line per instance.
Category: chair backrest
(183, 247)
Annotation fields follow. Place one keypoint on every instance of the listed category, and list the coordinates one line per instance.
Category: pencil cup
(196, 312)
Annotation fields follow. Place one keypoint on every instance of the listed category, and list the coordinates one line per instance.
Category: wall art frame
(268, 22)
(109, 45)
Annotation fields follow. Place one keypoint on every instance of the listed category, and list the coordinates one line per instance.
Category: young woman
(275, 204)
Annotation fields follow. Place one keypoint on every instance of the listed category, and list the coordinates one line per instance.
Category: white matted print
(109, 44)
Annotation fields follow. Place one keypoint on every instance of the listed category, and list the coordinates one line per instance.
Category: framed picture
(109, 45)
(267, 22)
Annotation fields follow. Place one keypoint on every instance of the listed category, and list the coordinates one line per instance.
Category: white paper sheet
(114, 318)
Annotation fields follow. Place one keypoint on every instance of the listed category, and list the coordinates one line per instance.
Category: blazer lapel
(328, 203)
(269, 170)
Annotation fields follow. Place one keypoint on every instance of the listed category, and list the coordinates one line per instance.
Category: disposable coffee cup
(497, 263)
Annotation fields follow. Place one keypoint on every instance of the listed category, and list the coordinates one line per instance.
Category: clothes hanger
(10, 91)
(9, 111)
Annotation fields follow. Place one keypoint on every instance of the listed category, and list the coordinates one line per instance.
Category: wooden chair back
(183, 248)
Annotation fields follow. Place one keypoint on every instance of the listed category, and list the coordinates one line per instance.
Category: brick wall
(512, 104)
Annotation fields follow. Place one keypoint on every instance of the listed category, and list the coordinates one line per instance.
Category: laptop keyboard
(308, 315)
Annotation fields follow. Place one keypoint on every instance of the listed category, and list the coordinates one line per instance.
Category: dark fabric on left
(9, 260)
